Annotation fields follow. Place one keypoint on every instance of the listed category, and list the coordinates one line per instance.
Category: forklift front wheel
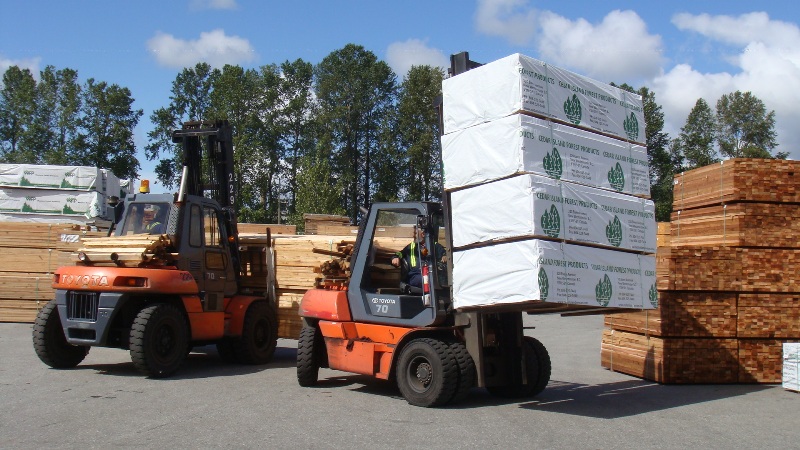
(427, 372)
(158, 340)
(309, 348)
(49, 342)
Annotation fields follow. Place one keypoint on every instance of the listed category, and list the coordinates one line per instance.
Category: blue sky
(682, 50)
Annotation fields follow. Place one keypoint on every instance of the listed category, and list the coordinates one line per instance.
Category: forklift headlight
(130, 282)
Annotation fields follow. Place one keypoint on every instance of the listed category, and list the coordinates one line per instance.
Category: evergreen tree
(17, 107)
(744, 127)
(418, 127)
(696, 141)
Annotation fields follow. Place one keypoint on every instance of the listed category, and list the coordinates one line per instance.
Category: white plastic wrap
(522, 144)
(791, 366)
(520, 83)
(39, 202)
(79, 178)
(537, 206)
(521, 271)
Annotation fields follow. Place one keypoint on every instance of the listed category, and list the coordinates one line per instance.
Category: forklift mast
(210, 175)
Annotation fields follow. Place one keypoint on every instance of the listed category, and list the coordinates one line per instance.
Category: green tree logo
(572, 108)
(653, 294)
(603, 291)
(631, 126)
(544, 284)
(553, 165)
(616, 177)
(614, 232)
(551, 222)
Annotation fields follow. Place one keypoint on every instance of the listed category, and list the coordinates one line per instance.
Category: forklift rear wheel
(309, 348)
(158, 340)
(537, 371)
(427, 372)
(49, 342)
(466, 371)
(259, 335)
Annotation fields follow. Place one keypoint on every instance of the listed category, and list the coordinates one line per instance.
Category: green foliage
(17, 106)
(419, 157)
(744, 127)
(553, 165)
(318, 191)
(355, 92)
(603, 291)
(551, 222)
(696, 141)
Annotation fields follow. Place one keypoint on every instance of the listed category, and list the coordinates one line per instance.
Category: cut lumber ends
(127, 251)
(738, 225)
(738, 180)
(261, 228)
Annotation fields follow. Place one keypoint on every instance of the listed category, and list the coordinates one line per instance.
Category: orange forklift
(383, 327)
(189, 294)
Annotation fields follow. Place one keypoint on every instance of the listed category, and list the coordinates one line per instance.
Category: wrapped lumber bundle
(544, 170)
(31, 253)
(730, 271)
(313, 221)
(671, 360)
(520, 84)
(791, 366)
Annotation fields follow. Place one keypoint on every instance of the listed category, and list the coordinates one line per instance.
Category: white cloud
(28, 63)
(616, 49)
(402, 55)
(768, 65)
(213, 47)
(213, 4)
(510, 19)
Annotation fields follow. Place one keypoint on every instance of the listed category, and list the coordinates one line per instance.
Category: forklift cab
(416, 293)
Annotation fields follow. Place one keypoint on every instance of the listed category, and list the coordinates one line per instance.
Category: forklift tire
(466, 371)
(309, 348)
(158, 340)
(537, 368)
(427, 372)
(259, 335)
(49, 342)
(543, 362)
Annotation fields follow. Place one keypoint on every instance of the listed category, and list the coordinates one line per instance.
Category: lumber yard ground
(105, 403)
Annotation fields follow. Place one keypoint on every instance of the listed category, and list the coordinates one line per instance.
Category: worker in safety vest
(412, 254)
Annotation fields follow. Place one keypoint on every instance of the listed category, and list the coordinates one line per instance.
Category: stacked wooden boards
(729, 289)
(31, 253)
(312, 222)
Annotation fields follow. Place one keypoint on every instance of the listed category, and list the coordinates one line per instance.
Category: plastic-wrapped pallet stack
(547, 180)
(791, 366)
(56, 194)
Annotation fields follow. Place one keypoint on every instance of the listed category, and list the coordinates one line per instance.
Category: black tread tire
(259, 335)
(49, 342)
(225, 350)
(309, 348)
(466, 371)
(435, 357)
(543, 362)
(537, 366)
(158, 340)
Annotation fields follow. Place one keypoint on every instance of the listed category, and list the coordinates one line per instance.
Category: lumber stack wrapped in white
(522, 144)
(50, 202)
(791, 366)
(518, 83)
(537, 206)
(538, 270)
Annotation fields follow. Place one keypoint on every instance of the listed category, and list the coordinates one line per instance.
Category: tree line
(325, 138)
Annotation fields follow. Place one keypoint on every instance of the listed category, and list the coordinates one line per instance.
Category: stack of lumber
(729, 290)
(31, 253)
(261, 228)
(128, 251)
(313, 222)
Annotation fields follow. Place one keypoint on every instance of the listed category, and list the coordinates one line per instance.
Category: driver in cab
(412, 255)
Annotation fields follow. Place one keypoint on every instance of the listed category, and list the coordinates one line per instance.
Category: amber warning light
(144, 187)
